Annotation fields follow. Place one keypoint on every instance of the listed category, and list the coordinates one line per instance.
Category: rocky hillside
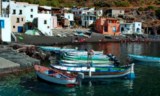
(97, 3)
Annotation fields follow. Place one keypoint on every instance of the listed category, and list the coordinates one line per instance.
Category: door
(20, 29)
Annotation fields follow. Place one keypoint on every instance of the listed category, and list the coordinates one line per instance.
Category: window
(105, 28)
(68, 17)
(21, 19)
(20, 12)
(114, 29)
(45, 21)
(17, 20)
(87, 18)
(31, 10)
(13, 26)
(14, 11)
(31, 16)
(91, 18)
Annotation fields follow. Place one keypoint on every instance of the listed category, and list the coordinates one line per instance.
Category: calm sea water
(146, 83)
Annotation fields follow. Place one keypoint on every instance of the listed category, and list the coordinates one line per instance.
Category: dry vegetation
(96, 3)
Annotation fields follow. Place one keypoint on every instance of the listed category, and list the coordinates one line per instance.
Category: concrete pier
(4, 63)
(12, 61)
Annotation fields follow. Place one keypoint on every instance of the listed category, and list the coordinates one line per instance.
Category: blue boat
(50, 48)
(144, 58)
(100, 72)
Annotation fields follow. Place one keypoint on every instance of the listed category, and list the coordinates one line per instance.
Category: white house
(45, 23)
(5, 27)
(17, 23)
(114, 12)
(70, 18)
(87, 15)
(87, 19)
(44, 9)
(131, 28)
(30, 11)
(137, 27)
(79, 11)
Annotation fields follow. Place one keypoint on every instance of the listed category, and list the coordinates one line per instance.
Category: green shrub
(101, 4)
(121, 4)
(151, 8)
(140, 9)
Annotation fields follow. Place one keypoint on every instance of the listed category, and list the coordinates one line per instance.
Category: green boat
(85, 57)
(81, 58)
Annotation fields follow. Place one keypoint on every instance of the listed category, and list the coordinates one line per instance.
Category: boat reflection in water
(42, 87)
(94, 88)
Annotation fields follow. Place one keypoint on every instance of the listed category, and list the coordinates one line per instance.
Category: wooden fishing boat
(54, 76)
(144, 58)
(85, 65)
(49, 48)
(104, 72)
(83, 52)
(56, 49)
(86, 61)
(85, 57)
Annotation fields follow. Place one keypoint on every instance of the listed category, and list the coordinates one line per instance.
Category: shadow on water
(149, 64)
(42, 87)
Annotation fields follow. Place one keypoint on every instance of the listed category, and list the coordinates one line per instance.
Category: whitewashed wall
(6, 29)
(30, 11)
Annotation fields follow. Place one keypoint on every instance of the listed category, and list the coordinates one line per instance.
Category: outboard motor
(114, 59)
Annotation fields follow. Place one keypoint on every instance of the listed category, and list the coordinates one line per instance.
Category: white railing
(15, 38)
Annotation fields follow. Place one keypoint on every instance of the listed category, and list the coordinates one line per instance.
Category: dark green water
(146, 83)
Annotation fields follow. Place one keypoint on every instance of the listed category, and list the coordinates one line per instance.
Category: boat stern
(131, 75)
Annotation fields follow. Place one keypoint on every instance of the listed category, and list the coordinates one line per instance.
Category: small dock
(12, 61)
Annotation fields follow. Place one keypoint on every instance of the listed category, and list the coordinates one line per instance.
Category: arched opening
(138, 30)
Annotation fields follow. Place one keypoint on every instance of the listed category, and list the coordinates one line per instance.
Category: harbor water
(146, 83)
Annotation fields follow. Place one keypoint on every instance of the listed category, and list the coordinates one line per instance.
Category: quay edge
(14, 62)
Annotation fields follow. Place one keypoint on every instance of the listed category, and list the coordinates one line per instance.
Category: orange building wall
(101, 23)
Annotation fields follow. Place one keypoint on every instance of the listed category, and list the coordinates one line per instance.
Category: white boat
(54, 76)
(86, 61)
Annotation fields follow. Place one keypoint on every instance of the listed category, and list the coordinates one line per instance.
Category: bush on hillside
(121, 4)
(140, 9)
(151, 8)
(101, 4)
